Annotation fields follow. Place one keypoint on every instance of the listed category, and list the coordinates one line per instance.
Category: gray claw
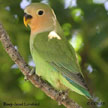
(29, 74)
(64, 94)
(25, 78)
(64, 97)
(32, 72)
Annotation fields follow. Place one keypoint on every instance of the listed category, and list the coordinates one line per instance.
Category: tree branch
(34, 79)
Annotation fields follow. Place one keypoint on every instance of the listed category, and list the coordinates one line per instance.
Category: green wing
(61, 55)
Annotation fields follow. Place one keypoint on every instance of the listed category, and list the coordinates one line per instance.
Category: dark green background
(85, 24)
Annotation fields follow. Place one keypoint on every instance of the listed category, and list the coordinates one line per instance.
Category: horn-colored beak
(27, 18)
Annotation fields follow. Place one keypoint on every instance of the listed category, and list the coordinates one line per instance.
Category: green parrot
(54, 57)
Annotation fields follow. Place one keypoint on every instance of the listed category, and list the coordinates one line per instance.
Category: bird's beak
(27, 19)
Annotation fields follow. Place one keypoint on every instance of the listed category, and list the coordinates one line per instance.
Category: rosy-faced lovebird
(54, 57)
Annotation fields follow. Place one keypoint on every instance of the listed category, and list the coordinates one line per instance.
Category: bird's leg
(29, 74)
(32, 72)
(26, 78)
(64, 95)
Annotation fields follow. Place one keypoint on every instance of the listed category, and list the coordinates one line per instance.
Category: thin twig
(34, 79)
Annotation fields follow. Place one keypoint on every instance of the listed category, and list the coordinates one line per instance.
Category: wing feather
(60, 55)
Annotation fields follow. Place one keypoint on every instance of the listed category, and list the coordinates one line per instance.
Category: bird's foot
(32, 72)
(29, 74)
(63, 95)
(26, 78)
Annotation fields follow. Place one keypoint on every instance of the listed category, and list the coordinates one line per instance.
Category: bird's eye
(40, 12)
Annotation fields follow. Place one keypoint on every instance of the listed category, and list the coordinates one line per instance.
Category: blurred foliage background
(85, 24)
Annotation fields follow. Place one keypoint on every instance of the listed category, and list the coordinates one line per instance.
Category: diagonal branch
(34, 79)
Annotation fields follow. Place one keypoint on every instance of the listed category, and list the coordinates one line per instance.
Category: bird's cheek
(32, 20)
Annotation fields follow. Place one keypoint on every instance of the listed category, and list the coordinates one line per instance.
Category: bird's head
(40, 17)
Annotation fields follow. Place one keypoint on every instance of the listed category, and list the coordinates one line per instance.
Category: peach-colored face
(42, 17)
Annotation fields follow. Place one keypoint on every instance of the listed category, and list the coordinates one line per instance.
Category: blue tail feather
(84, 91)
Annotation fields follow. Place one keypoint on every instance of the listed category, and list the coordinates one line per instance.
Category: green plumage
(56, 62)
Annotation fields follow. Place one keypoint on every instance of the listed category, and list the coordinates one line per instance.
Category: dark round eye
(40, 12)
